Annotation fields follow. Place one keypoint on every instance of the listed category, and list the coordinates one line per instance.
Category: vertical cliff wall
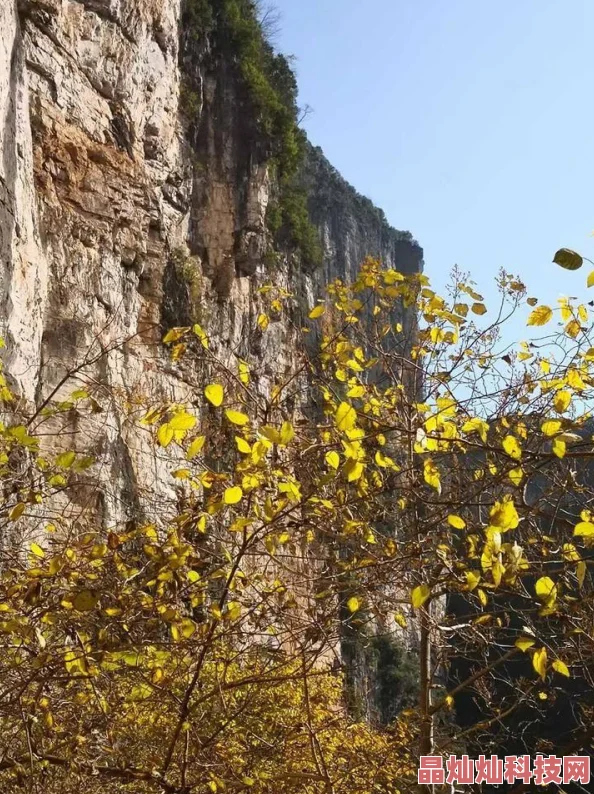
(135, 189)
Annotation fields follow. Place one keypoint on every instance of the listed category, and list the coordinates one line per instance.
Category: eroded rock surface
(123, 212)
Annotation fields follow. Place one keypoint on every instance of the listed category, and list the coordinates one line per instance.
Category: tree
(382, 491)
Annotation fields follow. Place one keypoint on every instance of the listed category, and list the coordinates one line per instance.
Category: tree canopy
(414, 478)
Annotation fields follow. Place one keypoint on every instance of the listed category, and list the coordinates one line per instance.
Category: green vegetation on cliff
(235, 33)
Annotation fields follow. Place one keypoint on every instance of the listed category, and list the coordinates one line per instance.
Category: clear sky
(470, 122)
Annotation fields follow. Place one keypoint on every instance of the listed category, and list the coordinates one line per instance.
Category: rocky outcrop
(129, 203)
(351, 226)
(23, 266)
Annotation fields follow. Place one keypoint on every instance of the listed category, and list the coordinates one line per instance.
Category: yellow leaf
(353, 604)
(84, 601)
(182, 421)
(512, 447)
(497, 571)
(400, 619)
(345, 417)
(195, 447)
(546, 590)
(559, 447)
(16, 512)
(561, 401)
(66, 459)
(75, 662)
(243, 446)
(175, 335)
(287, 433)
(523, 643)
(580, 571)
(572, 329)
(539, 662)
(178, 351)
(214, 393)
(244, 372)
(165, 435)
(270, 433)
(472, 579)
(353, 470)
(574, 379)
(570, 553)
(316, 312)
(233, 610)
(478, 308)
(356, 391)
(503, 515)
(584, 529)
(558, 665)
(263, 321)
(566, 311)
(233, 495)
(551, 427)
(590, 282)
(516, 476)
(187, 628)
(540, 316)
(237, 418)
(37, 550)
(456, 521)
(431, 475)
(333, 459)
(420, 595)
(202, 336)
(476, 426)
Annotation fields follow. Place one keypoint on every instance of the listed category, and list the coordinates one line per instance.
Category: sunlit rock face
(126, 209)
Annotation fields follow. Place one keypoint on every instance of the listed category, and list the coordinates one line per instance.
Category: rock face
(352, 228)
(128, 205)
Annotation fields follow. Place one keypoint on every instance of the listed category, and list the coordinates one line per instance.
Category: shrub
(236, 33)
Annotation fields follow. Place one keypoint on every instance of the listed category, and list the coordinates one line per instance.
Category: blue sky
(470, 122)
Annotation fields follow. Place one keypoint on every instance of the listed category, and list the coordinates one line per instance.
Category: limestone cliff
(136, 183)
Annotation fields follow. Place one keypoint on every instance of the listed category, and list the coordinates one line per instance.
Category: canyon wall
(134, 191)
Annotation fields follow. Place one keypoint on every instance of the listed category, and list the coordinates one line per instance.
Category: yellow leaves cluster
(284, 488)
(478, 426)
(176, 428)
(503, 515)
